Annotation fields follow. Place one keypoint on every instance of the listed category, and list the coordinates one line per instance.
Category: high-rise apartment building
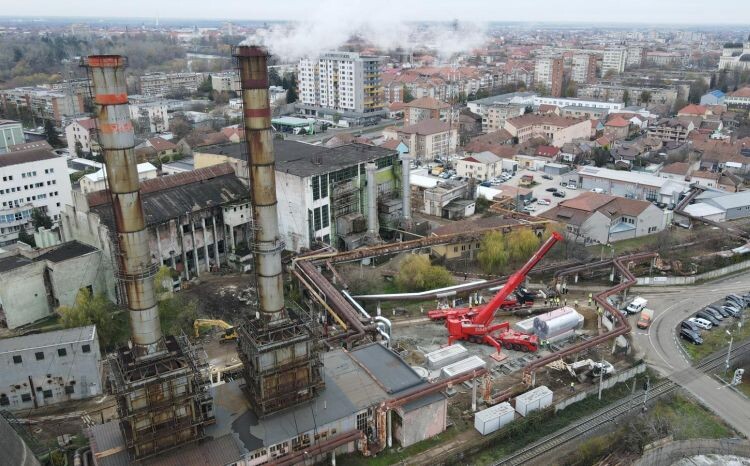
(584, 68)
(548, 72)
(635, 57)
(346, 83)
(614, 60)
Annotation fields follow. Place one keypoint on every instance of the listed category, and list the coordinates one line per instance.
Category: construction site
(287, 365)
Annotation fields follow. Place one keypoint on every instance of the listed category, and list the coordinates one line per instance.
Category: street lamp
(729, 352)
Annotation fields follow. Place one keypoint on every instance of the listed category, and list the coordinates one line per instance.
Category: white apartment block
(228, 81)
(43, 103)
(495, 116)
(635, 56)
(160, 84)
(549, 72)
(32, 179)
(584, 68)
(615, 60)
(80, 131)
(573, 102)
(150, 116)
(343, 82)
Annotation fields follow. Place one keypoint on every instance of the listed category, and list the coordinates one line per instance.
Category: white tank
(556, 322)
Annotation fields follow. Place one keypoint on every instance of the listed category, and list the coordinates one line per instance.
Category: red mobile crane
(479, 328)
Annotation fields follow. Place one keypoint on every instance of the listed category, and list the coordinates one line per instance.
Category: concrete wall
(668, 281)
(23, 295)
(606, 383)
(69, 276)
(292, 208)
(672, 452)
(420, 424)
(15, 451)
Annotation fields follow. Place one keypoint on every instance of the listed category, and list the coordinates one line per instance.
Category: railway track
(609, 413)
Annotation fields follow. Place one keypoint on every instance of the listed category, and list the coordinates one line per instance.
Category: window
(39, 355)
(326, 220)
(69, 389)
(316, 219)
(4, 401)
(362, 422)
(47, 393)
(62, 352)
(86, 348)
(17, 360)
(26, 397)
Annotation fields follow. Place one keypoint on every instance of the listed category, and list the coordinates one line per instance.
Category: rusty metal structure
(282, 365)
(163, 399)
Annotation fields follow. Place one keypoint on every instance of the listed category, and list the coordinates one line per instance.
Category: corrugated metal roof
(392, 372)
(46, 339)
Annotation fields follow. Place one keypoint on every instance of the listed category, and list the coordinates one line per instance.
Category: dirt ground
(227, 296)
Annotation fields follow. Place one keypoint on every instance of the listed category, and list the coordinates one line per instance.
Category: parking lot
(540, 189)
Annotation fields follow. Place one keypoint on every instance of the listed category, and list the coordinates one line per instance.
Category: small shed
(493, 418)
(534, 400)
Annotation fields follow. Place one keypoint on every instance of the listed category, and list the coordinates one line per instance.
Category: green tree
(697, 89)
(51, 134)
(180, 127)
(407, 95)
(626, 97)
(336, 117)
(493, 255)
(25, 237)
(163, 280)
(207, 86)
(291, 91)
(79, 149)
(111, 322)
(417, 274)
(176, 314)
(645, 98)
(39, 218)
(273, 77)
(601, 156)
(521, 244)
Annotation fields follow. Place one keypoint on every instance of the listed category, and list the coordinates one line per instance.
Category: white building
(631, 185)
(228, 81)
(614, 60)
(11, 133)
(80, 131)
(735, 57)
(48, 368)
(573, 102)
(341, 82)
(482, 166)
(549, 73)
(97, 181)
(480, 106)
(151, 116)
(31, 179)
(584, 68)
(160, 84)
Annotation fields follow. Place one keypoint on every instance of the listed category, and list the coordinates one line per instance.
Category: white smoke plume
(330, 24)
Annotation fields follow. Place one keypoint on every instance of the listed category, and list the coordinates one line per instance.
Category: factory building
(200, 218)
(321, 191)
(49, 368)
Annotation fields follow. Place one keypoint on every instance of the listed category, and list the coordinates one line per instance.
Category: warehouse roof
(46, 339)
(67, 251)
(26, 156)
(13, 262)
(731, 201)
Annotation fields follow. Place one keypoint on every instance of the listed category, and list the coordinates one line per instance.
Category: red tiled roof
(547, 151)
(88, 123)
(551, 119)
(427, 102)
(391, 144)
(742, 92)
(161, 144)
(677, 168)
(617, 122)
(430, 126)
(693, 109)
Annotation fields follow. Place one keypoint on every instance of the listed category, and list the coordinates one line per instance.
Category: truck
(436, 171)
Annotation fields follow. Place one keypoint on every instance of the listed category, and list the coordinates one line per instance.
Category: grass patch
(679, 416)
(394, 457)
(715, 339)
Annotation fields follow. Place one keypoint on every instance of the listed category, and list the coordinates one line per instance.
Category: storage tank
(554, 323)
(533, 400)
(463, 366)
(444, 356)
(494, 418)
(525, 326)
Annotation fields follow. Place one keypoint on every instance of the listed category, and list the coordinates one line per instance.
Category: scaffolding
(164, 401)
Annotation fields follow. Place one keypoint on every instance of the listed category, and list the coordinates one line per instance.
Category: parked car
(687, 324)
(724, 314)
(707, 316)
(644, 321)
(486, 184)
(551, 190)
(529, 208)
(597, 190)
(559, 194)
(547, 177)
(691, 336)
(731, 310)
(717, 315)
(701, 323)
(543, 202)
(572, 186)
(741, 302)
(637, 305)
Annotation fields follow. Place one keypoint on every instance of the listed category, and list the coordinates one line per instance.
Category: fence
(606, 383)
(670, 453)
(668, 281)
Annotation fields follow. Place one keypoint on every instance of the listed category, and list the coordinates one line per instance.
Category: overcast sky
(599, 11)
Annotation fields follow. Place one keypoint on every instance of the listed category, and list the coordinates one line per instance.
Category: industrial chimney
(136, 270)
(406, 191)
(372, 201)
(274, 381)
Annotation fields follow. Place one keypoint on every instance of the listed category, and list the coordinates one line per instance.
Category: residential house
(79, 133)
(495, 115)
(425, 108)
(671, 129)
(469, 249)
(489, 141)
(601, 218)
(234, 133)
(554, 129)
(162, 147)
(739, 98)
(548, 152)
(481, 166)
(617, 128)
(718, 155)
(428, 139)
(715, 97)
(679, 171)
(97, 181)
(691, 110)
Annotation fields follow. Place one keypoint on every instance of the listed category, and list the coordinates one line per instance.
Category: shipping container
(533, 400)
(445, 356)
(463, 366)
(494, 418)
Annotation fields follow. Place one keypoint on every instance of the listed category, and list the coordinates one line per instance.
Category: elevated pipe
(116, 137)
(267, 245)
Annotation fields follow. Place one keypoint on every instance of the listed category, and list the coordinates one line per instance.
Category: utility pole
(645, 394)
(729, 353)
(601, 378)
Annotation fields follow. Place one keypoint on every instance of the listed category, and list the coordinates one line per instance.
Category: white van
(637, 305)
(597, 190)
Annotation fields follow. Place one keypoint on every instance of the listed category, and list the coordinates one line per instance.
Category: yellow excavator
(230, 334)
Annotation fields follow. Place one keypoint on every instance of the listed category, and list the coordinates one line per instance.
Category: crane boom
(485, 316)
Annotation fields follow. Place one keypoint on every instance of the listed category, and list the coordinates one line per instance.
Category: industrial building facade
(53, 367)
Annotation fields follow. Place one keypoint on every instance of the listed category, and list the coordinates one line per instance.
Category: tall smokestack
(372, 201)
(253, 67)
(117, 140)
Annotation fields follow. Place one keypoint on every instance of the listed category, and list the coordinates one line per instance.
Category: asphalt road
(660, 348)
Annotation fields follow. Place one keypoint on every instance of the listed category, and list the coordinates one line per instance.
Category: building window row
(61, 352)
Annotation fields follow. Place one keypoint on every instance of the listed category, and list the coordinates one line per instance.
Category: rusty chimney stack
(136, 269)
(253, 66)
